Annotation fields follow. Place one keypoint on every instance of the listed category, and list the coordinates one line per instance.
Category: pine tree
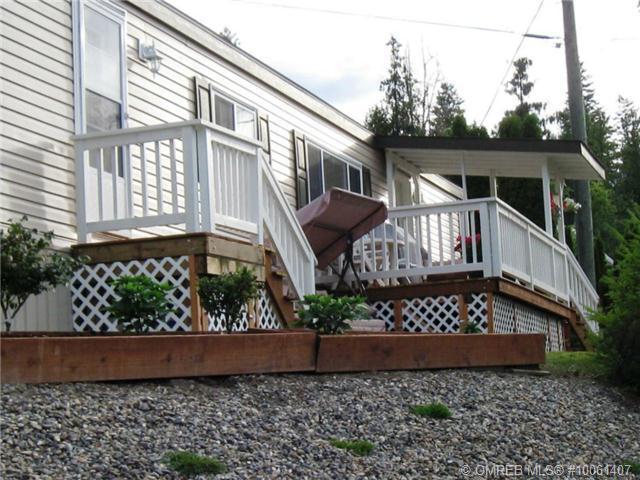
(401, 111)
(448, 106)
(627, 169)
(520, 86)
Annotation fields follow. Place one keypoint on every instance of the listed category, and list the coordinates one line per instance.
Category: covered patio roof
(565, 159)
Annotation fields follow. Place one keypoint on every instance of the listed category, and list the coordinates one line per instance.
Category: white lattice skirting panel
(442, 315)
(267, 316)
(91, 292)
(433, 314)
(510, 316)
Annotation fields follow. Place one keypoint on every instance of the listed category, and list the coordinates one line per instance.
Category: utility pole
(584, 221)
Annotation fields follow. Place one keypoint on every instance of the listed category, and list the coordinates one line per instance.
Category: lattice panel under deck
(91, 292)
(510, 316)
(268, 316)
(431, 314)
(477, 310)
(218, 324)
(383, 310)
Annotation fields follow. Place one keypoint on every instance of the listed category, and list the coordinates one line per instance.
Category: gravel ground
(279, 426)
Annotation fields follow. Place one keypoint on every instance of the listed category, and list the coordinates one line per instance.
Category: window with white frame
(327, 170)
(100, 66)
(233, 115)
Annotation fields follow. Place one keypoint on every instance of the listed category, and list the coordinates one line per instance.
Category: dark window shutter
(265, 134)
(366, 182)
(203, 100)
(302, 179)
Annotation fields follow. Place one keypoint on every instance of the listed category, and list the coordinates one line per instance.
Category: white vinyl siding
(36, 153)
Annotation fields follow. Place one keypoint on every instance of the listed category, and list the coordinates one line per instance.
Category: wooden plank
(197, 319)
(201, 243)
(398, 321)
(464, 312)
(490, 328)
(373, 352)
(536, 299)
(433, 289)
(274, 287)
(92, 358)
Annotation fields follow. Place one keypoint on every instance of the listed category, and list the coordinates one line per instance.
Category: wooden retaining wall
(73, 358)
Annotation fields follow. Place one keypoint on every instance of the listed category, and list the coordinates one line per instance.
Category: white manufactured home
(126, 121)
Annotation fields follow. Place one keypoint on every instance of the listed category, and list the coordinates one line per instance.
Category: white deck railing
(480, 235)
(191, 176)
(283, 227)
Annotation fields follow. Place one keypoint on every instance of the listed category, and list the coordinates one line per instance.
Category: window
(100, 73)
(235, 116)
(327, 171)
(99, 66)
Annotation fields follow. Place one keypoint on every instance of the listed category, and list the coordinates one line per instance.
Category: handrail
(301, 271)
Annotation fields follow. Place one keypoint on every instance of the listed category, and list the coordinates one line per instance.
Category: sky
(342, 58)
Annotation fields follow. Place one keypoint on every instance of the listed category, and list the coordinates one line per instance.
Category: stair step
(278, 272)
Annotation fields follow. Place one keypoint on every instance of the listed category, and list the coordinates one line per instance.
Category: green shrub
(329, 315)
(620, 333)
(360, 448)
(141, 304)
(578, 364)
(190, 464)
(471, 327)
(433, 410)
(26, 269)
(224, 296)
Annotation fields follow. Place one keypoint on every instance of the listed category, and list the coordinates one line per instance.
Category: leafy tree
(26, 269)
(224, 296)
(402, 111)
(620, 342)
(448, 106)
(142, 303)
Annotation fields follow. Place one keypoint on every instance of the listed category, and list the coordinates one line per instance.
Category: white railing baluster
(160, 206)
(144, 179)
(474, 249)
(174, 175)
(429, 247)
(114, 180)
(100, 185)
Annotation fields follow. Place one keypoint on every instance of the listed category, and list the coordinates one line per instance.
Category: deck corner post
(197, 324)
(546, 194)
(190, 153)
(490, 325)
(81, 182)
(463, 313)
(397, 315)
(258, 194)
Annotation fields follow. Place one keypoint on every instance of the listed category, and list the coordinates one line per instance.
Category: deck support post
(546, 194)
(463, 173)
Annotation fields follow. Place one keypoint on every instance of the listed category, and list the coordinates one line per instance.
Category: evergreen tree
(627, 169)
(523, 194)
(448, 106)
(520, 86)
(402, 109)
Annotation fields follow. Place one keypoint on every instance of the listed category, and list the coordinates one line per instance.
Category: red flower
(467, 241)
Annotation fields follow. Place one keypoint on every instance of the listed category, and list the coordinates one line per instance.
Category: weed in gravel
(188, 464)
(357, 447)
(433, 410)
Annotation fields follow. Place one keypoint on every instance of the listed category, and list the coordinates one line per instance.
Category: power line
(379, 17)
(506, 72)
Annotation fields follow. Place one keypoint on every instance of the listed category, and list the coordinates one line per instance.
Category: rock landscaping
(282, 426)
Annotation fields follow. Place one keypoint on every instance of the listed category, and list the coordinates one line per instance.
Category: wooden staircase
(579, 327)
(279, 287)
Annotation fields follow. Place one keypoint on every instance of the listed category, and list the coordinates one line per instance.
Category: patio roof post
(561, 231)
(463, 173)
(546, 194)
(391, 188)
(493, 184)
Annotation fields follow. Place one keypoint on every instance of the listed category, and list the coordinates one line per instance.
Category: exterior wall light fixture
(147, 53)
